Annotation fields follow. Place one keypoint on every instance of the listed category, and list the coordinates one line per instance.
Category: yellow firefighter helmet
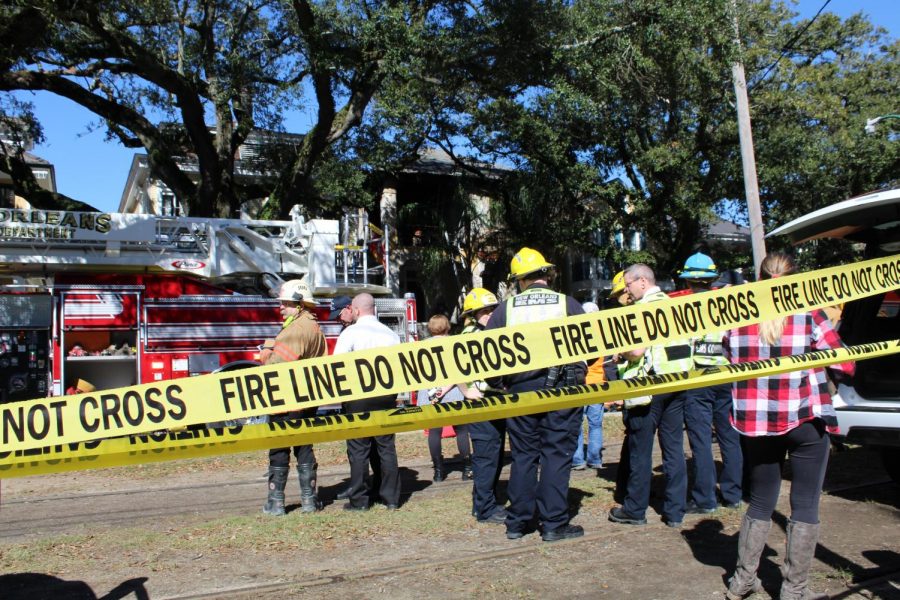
(477, 299)
(618, 284)
(528, 261)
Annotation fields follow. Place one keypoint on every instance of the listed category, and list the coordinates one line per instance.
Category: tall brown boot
(801, 547)
(751, 543)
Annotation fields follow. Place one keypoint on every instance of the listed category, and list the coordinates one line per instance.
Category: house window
(7, 197)
(167, 206)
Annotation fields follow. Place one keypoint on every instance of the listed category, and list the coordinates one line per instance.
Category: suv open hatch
(868, 405)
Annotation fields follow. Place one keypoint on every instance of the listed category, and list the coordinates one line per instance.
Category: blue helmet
(699, 266)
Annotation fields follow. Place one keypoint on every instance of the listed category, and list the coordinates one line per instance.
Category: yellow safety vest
(708, 350)
(535, 304)
(673, 356)
(630, 370)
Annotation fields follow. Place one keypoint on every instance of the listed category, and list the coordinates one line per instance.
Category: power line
(790, 45)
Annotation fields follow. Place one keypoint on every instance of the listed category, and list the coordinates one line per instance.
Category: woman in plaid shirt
(789, 414)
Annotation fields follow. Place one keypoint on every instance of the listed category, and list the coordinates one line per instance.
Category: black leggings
(462, 442)
(807, 446)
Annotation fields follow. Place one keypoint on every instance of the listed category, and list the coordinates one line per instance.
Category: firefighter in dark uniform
(488, 437)
(548, 438)
(708, 407)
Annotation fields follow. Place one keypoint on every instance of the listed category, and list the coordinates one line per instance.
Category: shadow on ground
(37, 586)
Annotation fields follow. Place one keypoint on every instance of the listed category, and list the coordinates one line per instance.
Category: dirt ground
(193, 529)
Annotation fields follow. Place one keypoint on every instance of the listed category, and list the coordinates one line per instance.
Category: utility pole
(748, 160)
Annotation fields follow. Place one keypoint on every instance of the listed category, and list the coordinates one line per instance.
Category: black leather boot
(309, 502)
(467, 469)
(439, 474)
(344, 493)
(277, 480)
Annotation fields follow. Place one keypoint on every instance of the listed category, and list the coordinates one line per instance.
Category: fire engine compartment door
(100, 309)
(392, 312)
(209, 322)
(24, 346)
(99, 337)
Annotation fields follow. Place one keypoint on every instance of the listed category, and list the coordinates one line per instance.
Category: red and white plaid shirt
(774, 405)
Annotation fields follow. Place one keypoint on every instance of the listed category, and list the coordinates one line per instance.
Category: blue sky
(91, 169)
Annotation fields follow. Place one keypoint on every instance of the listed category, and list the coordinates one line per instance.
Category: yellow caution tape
(208, 442)
(378, 372)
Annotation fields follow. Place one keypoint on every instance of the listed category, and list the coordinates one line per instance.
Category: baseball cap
(337, 305)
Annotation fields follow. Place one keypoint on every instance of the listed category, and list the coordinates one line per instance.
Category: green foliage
(809, 114)
(584, 118)
(189, 80)
(625, 120)
(615, 127)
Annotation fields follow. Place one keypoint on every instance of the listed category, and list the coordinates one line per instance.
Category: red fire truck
(121, 299)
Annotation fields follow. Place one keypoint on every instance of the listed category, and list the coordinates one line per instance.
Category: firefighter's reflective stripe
(284, 352)
(673, 356)
(534, 305)
(633, 370)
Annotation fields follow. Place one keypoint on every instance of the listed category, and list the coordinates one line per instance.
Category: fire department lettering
(61, 223)
(535, 299)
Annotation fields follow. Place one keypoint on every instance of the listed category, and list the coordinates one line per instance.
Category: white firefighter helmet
(297, 290)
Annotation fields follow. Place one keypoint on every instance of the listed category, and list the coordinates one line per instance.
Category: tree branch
(160, 153)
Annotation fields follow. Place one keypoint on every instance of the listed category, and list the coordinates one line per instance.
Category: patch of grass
(508, 588)
(426, 518)
(731, 517)
(443, 514)
(182, 538)
(410, 446)
(839, 573)
(613, 427)
(52, 556)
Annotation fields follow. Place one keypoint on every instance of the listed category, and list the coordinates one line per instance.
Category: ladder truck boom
(216, 250)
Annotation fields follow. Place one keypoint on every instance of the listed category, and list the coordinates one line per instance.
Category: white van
(868, 406)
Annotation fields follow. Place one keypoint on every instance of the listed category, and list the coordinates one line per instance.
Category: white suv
(868, 406)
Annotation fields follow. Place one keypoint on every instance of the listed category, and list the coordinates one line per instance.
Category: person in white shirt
(368, 332)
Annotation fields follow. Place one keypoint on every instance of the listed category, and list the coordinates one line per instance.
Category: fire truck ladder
(359, 240)
(213, 249)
